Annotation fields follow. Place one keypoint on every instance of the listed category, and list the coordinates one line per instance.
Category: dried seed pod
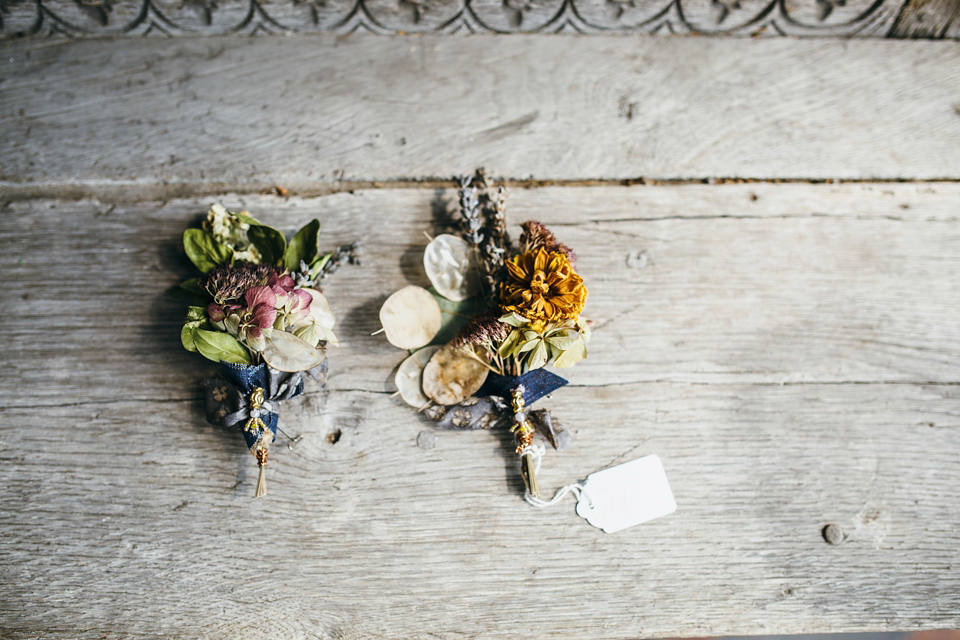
(451, 265)
(410, 375)
(410, 317)
(451, 376)
(286, 352)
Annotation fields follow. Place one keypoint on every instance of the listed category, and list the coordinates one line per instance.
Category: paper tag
(627, 494)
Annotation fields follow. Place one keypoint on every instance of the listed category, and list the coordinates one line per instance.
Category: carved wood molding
(837, 18)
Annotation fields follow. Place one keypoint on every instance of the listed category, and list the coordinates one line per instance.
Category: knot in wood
(833, 534)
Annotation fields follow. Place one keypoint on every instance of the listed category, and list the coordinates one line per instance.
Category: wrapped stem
(529, 472)
(261, 454)
(523, 431)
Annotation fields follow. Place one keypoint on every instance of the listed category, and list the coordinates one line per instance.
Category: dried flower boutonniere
(258, 311)
(522, 306)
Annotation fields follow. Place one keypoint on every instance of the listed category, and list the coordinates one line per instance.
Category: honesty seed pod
(451, 265)
(410, 317)
(452, 375)
(286, 352)
(410, 376)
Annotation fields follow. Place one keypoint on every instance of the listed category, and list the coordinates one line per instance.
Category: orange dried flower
(542, 286)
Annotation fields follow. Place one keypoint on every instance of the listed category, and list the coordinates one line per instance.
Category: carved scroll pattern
(91, 18)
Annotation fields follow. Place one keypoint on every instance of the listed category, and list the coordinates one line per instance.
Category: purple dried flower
(227, 283)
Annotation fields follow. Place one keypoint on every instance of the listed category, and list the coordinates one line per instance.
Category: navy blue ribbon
(227, 397)
(536, 384)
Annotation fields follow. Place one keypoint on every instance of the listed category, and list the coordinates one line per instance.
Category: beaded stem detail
(256, 423)
(523, 431)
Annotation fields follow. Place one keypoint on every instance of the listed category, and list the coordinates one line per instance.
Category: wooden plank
(750, 283)
(789, 350)
(325, 112)
(95, 18)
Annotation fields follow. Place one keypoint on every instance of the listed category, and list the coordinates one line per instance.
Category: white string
(575, 489)
(536, 451)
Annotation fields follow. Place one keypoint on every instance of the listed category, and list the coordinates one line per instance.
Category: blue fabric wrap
(227, 397)
(536, 384)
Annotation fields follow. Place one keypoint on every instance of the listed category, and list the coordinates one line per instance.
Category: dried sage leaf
(205, 252)
(269, 242)
(218, 346)
(303, 246)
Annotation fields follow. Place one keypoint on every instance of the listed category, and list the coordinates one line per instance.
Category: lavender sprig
(470, 211)
(344, 254)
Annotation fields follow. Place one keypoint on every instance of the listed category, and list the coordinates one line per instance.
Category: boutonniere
(512, 310)
(258, 312)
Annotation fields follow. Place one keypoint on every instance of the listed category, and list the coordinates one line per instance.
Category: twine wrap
(227, 397)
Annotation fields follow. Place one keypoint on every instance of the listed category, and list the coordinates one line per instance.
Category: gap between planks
(133, 192)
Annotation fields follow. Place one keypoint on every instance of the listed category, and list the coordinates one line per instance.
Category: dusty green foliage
(529, 347)
(237, 253)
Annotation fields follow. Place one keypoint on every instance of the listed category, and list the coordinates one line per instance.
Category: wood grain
(215, 114)
(790, 351)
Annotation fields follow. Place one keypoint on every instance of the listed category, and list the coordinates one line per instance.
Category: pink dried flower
(281, 283)
(261, 307)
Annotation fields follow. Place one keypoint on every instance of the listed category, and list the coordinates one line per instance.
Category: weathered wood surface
(214, 113)
(848, 18)
(791, 352)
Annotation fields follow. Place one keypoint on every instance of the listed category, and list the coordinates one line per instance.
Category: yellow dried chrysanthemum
(542, 287)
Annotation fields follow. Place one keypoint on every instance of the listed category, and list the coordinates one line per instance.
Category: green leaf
(303, 246)
(217, 346)
(188, 335)
(193, 286)
(318, 264)
(572, 355)
(196, 313)
(563, 342)
(269, 242)
(203, 251)
(583, 326)
(528, 345)
(246, 218)
(506, 347)
(539, 356)
(514, 319)
(554, 352)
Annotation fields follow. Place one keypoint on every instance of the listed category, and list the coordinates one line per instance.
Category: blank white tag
(627, 494)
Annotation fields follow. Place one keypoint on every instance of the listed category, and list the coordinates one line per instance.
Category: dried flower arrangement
(522, 304)
(258, 311)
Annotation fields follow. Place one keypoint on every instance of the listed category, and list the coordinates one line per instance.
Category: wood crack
(132, 192)
(602, 385)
